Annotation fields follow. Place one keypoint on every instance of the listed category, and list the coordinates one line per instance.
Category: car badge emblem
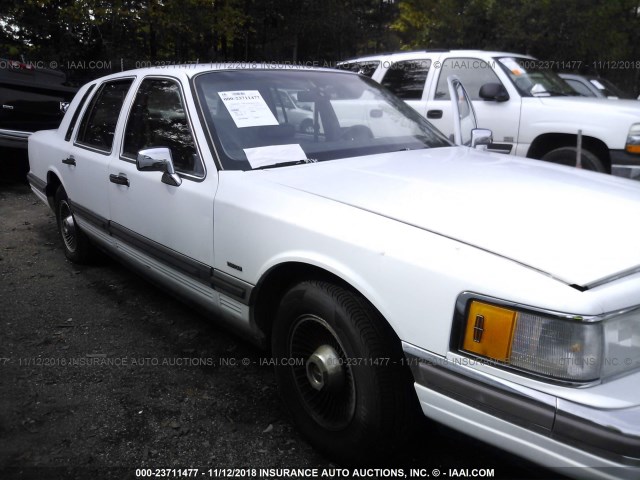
(478, 328)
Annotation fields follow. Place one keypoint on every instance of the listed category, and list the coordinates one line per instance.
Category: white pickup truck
(531, 111)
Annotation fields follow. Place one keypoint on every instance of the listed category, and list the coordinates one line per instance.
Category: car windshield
(264, 118)
(608, 89)
(532, 80)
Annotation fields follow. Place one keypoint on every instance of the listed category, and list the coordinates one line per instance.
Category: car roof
(191, 70)
(417, 54)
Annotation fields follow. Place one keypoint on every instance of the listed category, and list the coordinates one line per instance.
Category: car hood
(601, 105)
(578, 226)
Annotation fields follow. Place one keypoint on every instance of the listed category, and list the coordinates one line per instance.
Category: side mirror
(158, 160)
(481, 138)
(494, 92)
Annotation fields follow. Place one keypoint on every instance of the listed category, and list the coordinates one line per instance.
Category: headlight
(633, 139)
(567, 348)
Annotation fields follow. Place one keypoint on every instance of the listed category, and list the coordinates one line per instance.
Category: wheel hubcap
(325, 381)
(68, 227)
(324, 369)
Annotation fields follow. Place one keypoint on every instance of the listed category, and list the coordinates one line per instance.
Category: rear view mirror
(494, 92)
(481, 138)
(158, 160)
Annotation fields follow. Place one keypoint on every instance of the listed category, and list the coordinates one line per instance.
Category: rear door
(85, 169)
(407, 79)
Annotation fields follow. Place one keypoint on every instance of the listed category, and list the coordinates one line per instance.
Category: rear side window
(472, 72)
(76, 114)
(406, 79)
(99, 121)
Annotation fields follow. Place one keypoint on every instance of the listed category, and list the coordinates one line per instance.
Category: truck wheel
(77, 247)
(340, 371)
(306, 126)
(567, 156)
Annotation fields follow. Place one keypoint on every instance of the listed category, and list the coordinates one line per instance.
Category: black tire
(306, 126)
(361, 411)
(567, 156)
(356, 133)
(77, 246)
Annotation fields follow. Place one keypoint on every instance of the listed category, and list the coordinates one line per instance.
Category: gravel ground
(101, 374)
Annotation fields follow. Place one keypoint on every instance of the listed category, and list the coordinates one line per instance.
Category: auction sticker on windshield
(248, 108)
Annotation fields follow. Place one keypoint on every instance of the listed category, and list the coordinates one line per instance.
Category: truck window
(363, 68)
(406, 79)
(472, 72)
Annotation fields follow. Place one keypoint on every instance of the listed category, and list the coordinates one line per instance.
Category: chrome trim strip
(464, 298)
(14, 134)
(604, 430)
(613, 434)
(86, 214)
(37, 183)
(231, 286)
(541, 404)
(184, 264)
(613, 278)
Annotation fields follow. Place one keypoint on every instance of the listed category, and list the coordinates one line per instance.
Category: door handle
(69, 161)
(434, 114)
(119, 179)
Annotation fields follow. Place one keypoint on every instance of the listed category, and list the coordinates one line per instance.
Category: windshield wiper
(286, 164)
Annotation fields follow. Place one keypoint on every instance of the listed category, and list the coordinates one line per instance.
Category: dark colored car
(593, 86)
(31, 99)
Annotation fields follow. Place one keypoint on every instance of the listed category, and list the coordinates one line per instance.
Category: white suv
(531, 111)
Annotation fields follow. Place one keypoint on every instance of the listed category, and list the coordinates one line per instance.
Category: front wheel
(77, 247)
(568, 156)
(340, 372)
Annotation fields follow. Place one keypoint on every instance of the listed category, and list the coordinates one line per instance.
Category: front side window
(407, 78)
(472, 72)
(99, 122)
(261, 118)
(158, 119)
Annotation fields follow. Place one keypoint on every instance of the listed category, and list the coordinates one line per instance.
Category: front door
(172, 224)
(502, 118)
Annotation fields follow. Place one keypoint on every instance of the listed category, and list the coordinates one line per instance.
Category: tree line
(597, 36)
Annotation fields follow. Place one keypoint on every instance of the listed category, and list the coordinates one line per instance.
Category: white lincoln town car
(498, 295)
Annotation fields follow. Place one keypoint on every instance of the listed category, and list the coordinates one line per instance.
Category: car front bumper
(625, 164)
(576, 440)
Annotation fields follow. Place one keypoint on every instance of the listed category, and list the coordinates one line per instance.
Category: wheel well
(273, 285)
(53, 182)
(550, 141)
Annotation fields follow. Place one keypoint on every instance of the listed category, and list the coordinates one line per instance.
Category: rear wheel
(343, 378)
(77, 247)
(568, 156)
